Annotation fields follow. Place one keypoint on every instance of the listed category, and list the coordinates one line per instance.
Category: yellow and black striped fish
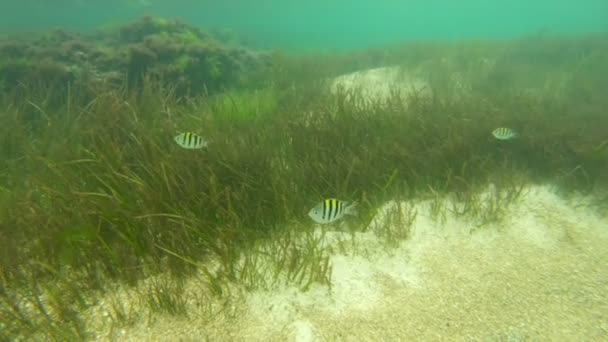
(331, 210)
(503, 133)
(190, 141)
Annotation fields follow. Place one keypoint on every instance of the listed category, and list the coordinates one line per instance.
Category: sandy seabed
(540, 274)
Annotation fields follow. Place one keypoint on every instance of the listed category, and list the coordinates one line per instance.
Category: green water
(109, 230)
(336, 24)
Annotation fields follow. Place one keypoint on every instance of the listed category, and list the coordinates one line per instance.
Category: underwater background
(335, 24)
(303, 171)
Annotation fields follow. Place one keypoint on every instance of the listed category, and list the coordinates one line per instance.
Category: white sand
(379, 84)
(540, 274)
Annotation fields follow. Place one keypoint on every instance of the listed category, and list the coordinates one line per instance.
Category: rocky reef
(168, 50)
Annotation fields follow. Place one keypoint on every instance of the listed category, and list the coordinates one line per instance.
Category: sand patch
(539, 274)
(380, 84)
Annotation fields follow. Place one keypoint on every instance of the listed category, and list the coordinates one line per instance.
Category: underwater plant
(150, 46)
(95, 193)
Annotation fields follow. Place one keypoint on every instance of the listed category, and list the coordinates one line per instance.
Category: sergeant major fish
(503, 133)
(331, 210)
(191, 141)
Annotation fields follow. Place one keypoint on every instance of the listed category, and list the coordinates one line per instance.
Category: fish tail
(352, 209)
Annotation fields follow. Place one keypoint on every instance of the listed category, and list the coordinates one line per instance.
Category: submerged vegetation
(170, 51)
(94, 191)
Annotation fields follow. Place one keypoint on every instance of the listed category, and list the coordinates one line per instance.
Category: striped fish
(503, 133)
(190, 141)
(331, 210)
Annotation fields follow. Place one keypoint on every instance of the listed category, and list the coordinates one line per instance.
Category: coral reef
(169, 50)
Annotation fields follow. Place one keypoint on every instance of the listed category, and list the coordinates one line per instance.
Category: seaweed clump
(170, 51)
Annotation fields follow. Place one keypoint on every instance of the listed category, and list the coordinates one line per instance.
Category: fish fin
(352, 209)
